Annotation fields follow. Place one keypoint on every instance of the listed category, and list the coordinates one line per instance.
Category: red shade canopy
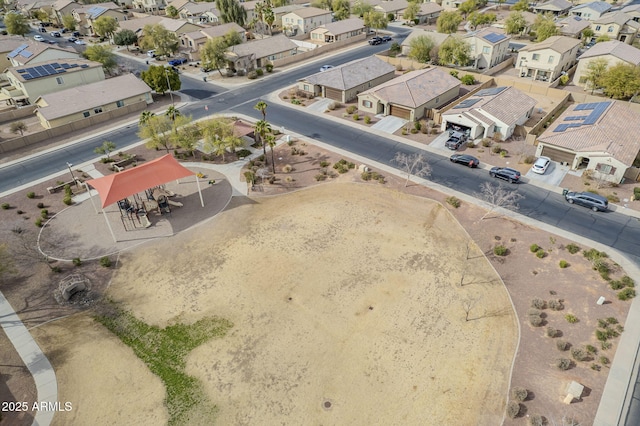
(118, 186)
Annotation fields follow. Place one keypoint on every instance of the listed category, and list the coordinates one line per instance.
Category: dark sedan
(505, 173)
(467, 160)
(375, 40)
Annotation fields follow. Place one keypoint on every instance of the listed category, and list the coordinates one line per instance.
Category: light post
(71, 171)
(173, 110)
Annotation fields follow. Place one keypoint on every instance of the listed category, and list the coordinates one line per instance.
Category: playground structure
(134, 212)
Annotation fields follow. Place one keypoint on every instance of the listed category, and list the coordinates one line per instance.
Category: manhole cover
(327, 404)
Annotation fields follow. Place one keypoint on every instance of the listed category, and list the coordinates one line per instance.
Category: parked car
(55, 34)
(467, 160)
(42, 29)
(72, 39)
(325, 68)
(588, 199)
(375, 40)
(76, 33)
(79, 42)
(505, 173)
(455, 141)
(38, 38)
(541, 165)
(386, 38)
(151, 53)
(177, 61)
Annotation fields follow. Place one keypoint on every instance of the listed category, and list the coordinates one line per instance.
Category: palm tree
(172, 112)
(144, 117)
(262, 128)
(271, 140)
(262, 107)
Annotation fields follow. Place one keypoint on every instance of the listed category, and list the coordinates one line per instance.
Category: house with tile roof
(31, 52)
(338, 31)
(85, 16)
(192, 42)
(437, 38)
(412, 95)
(150, 6)
(555, 7)
(597, 136)
(392, 7)
(614, 52)
(90, 100)
(62, 8)
(492, 111)
(590, 11)
(617, 26)
(279, 12)
(488, 47)
(429, 13)
(530, 19)
(345, 82)
(28, 82)
(7, 44)
(572, 26)
(633, 11)
(258, 53)
(306, 19)
(200, 13)
(176, 26)
(549, 59)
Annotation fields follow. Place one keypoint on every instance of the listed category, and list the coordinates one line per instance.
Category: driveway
(389, 124)
(439, 141)
(320, 105)
(553, 176)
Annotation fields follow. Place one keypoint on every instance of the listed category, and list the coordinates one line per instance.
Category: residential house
(279, 12)
(392, 7)
(429, 13)
(572, 26)
(200, 13)
(617, 26)
(491, 112)
(258, 53)
(303, 21)
(530, 19)
(28, 7)
(590, 11)
(598, 136)
(549, 59)
(63, 8)
(27, 83)
(437, 38)
(451, 4)
(412, 95)
(85, 16)
(633, 11)
(32, 52)
(192, 42)
(179, 4)
(89, 100)
(250, 7)
(555, 7)
(149, 6)
(345, 82)
(614, 52)
(176, 26)
(8, 43)
(488, 47)
(339, 30)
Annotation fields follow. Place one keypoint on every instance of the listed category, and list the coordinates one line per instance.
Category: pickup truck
(455, 141)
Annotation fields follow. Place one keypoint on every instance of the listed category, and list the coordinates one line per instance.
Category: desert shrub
(40, 205)
(19, 212)
(555, 305)
(602, 323)
(595, 367)
(325, 163)
(356, 117)
(287, 168)
(67, 200)
(39, 222)
(6, 206)
(605, 346)
(77, 261)
(513, 409)
(540, 254)
(626, 294)
(44, 213)
(467, 79)
(594, 254)
(563, 363)
(470, 144)
(105, 262)
(601, 265)
(552, 332)
(563, 264)
(537, 303)
(31, 194)
(572, 248)
(269, 67)
(399, 67)
(612, 320)
(613, 198)
(241, 153)
(571, 319)
(601, 335)
(604, 360)
(535, 321)
(259, 72)
(591, 349)
(562, 345)
(251, 75)
(529, 159)
(296, 102)
(320, 177)
(351, 109)
(628, 282)
(455, 202)
(616, 285)
(486, 142)
(519, 393)
(534, 248)
(534, 312)
(579, 354)
(497, 149)
(536, 420)
(367, 119)
(500, 250)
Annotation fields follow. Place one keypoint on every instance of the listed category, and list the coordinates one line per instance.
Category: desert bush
(551, 332)
(467, 79)
(627, 281)
(529, 159)
(40, 205)
(626, 294)
(594, 254)
(105, 262)
(6, 206)
(356, 117)
(572, 248)
(595, 367)
(454, 201)
(497, 149)
(287, 168)
(555, 305)
(251, 75)
(486, 142)
(571, 319)
(320, 177)
(563, 264)
(535, 321)
(613, 198)
(579, 354)
(39, 222)
(604, 360)
(538, 303)
(612, 320)
(296, 102)
(591, 349)
(19, 211)
(367, 119)
(500, 250)
(44, 213)
(605, 345)
(616, 285)
(534, 312)
(31, 194)
(351, 109)
(470, 144)
(563, 363)
(540, 254)
(399, 67)
(325, 163)
(519, 393)
(602, 323)
(534, 248)
(67, 200)
(77, 261)
(562, 345)
(513, 409)
(536, 420)
(269, 67)
(601, 335)
(259, 72)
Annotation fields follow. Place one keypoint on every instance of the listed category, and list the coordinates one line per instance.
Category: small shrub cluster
(536, 420)
(608, 329)
(324, 163)
(500, 250)
(594, 254)
(541, 254)
(296, 151)
(320, 177)
(552, 332)
(579, 354)
(513, 409)
(31, 194)
(453, 201)
(591, 349)
(343, 166)
(572, 248)
(372, 176)
(296, 101)
(351, 109)
(626, 294)
(534, 248)
(105, 262)
(555, 304)
(497, 149)
(562, 345)
(563, 363)
(287, 168)
(486, 142)
(519, 394)
(571, 319)
(538, 303)
(563, 264)
(535, 317)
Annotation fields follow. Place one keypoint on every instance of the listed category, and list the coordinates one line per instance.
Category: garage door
(558, 155)
(400, 112)
(334, 94)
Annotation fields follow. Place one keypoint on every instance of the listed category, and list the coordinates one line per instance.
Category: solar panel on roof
(466, 103)
(564, 126)
(17, 50)
(73, 66)
(494, 37)
(22, 71)
(491, 91)
(598, 109)
(55, 65)
(65, 66)
(577, 117)
(26, 54)
(27, 77)
(84, 66)
(60, 71)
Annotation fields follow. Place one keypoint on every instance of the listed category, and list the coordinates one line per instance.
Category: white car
(325, 68)
(38, 38)
(541, 165)
(79, 42)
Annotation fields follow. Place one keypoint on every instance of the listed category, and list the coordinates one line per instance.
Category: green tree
(40, 15)
(586, 35)
(106, 148)
(360, 7)
(157, 37)
(158, 131)
(144, 117)
(321, 4)
(125, 38)
(521, 6)
(420, 48)
(172, 112)
(515, 23)
(270, 140)
(602, 38)
(269, 18)
(411, 12)
(171, 11)
(18, 126)
(454, 50)
(218, 137)
(595, 70)
(232, 11)
(262, 107)
(545, 27)
(232, 38)
(341, 9)
(261, 129)
(161, 79)
(467, 7)
(621, 81)
(213, 54)
(69, 22)
(476, 19)
(448, 22)
(16, 24)
(105, 26)
(103, 54)
(375, 20)
(187, 138)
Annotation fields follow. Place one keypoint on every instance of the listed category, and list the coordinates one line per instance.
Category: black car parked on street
(505, 173)
(375, 40)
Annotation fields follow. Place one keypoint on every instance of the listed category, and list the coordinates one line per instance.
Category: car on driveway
(467, 160)
(375, 40)
(386, 38)
(38, 37)
(72, 39)
(456, 139)
(177, 61)
(325, 68)
(79, 42)
(55, 34)
(541, 165)
(588, 199)
(505, 173)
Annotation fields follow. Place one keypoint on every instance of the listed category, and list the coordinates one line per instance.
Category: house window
(120, 104)
(550, 61)
(610, 29)
(59, 80)
(86, 114)
(605, 169)
(438, 100)
(536, 57)
(598, 27)
(306, 88)
(366, 104)
(486, 49)
(497, 129)
(97, 110)
(271, 58)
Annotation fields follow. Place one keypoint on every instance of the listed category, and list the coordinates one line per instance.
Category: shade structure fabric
(118, 186)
